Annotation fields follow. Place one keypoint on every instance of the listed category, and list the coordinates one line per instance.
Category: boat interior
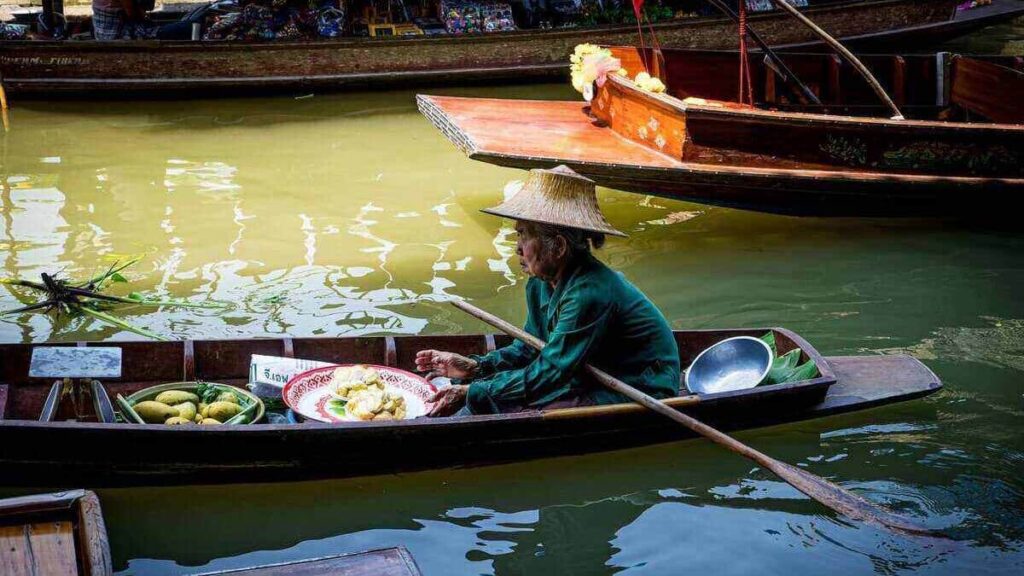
(938, 86)
(146, 364)
(59, 534)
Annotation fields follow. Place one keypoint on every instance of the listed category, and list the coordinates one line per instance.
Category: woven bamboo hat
(558, 196)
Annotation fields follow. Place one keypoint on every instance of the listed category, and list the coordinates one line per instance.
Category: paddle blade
(844, 501)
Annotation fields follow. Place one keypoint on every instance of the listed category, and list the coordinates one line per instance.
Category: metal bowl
(733, 364)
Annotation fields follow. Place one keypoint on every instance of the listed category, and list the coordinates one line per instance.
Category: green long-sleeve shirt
(594, 315)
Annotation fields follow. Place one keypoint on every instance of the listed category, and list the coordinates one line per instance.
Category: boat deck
(554, 131)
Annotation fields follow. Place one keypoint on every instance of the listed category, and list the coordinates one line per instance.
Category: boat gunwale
(671, 103)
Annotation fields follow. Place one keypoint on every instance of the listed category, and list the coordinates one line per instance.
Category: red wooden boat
(695, 142)
(37, 448)
(91, 69)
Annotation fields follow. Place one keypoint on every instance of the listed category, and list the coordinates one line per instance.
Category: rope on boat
(745, 96)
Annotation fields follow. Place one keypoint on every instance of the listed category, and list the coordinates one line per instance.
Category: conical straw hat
(558, 196)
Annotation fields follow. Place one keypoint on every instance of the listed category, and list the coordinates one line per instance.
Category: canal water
(350, 215)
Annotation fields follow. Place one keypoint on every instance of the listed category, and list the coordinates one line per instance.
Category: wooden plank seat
(39, 548)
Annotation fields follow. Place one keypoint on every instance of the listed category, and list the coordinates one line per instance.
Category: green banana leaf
(786, 368)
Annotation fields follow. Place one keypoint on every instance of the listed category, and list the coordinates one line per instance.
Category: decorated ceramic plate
(313, 394)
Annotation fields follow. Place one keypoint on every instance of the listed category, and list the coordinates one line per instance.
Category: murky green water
(348, 214)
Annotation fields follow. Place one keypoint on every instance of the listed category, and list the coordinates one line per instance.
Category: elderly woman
(586, 312)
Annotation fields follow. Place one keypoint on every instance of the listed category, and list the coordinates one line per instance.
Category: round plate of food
(358, 393)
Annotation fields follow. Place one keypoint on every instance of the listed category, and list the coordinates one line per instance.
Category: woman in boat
(586, 312)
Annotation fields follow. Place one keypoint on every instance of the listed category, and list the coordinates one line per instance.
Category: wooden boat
(33, 446)
(696, 143)
(164, 68)
(60, 534)
(914, 37)
(384, 562)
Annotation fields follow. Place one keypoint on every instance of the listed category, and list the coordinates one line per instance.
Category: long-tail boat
(37, 447)
(88, 69)
(783, 154)
(61, 534)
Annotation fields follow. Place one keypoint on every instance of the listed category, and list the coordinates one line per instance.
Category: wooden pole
(825, 492)
(868, 76)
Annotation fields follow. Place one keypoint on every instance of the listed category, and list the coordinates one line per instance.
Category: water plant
(85, 298)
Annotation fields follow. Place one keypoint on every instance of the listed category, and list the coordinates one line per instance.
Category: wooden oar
(825, 492)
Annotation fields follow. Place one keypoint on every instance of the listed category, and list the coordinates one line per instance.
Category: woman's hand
(447, 401)
(447, 364)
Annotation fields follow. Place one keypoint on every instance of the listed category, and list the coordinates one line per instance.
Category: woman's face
(533, 257)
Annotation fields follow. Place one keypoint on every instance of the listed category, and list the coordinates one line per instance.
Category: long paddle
(825, 492)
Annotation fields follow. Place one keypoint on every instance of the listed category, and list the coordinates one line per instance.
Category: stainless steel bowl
(733, 364)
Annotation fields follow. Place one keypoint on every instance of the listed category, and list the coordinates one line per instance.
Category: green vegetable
(338, 406)
(785, 368)
(207, 392)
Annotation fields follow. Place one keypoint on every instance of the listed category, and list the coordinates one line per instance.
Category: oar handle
(825, 492)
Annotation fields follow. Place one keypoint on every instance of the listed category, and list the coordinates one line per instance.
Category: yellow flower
(577, 81)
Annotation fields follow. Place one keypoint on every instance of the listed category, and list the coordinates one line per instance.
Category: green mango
(222, 410)
(154, 412)
(177, 421)
(186, 410)
(172, 397)
(227, 396)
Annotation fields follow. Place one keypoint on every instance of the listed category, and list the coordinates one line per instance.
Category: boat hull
(173, 69)
(776, 161)
(49, 453)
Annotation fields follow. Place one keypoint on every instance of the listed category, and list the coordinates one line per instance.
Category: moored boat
(33, 445)
(695, 142)
(44, 69)
(61, 534)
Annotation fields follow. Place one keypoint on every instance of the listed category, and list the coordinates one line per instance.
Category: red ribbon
(637, 7)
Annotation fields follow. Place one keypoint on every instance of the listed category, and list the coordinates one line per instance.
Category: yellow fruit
(227, 396)
(198, 418)
(172, 397)
(209, 421)
(203, 407)
(186, 410)
(222, 410)
(177, 421)
(154, 412)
